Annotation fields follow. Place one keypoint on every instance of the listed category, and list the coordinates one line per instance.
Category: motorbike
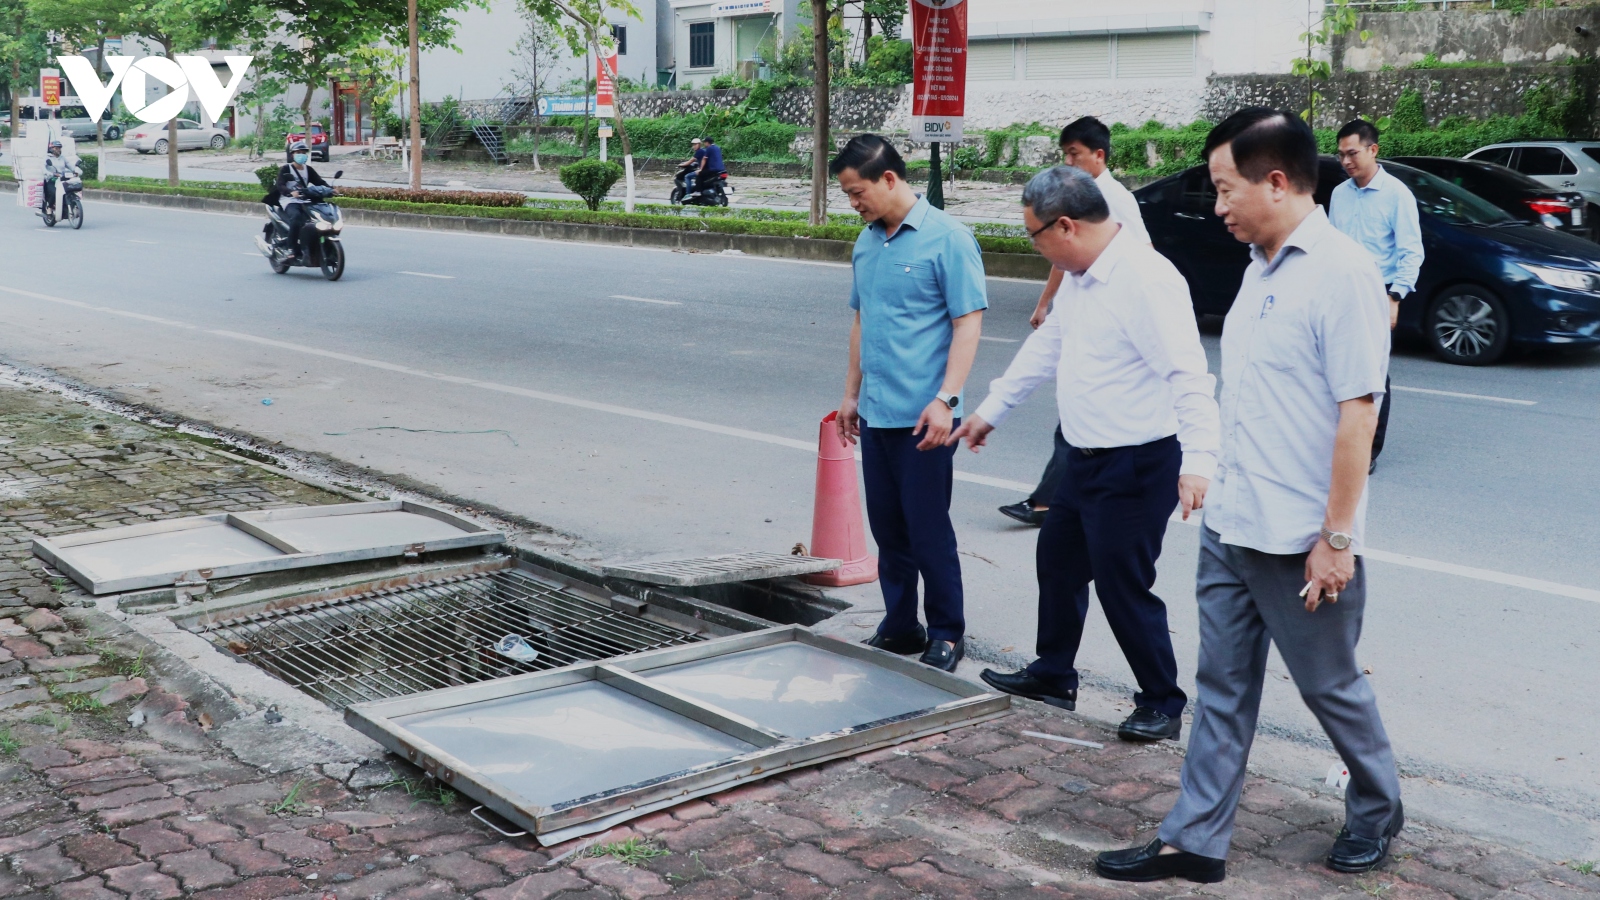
(71, 204)
(324, 250)
(709, 191)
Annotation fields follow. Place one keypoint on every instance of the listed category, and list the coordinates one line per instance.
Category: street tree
(22, 53)
(182, 26)
(821, 143)
(537, 53)
(583, 24)
(85, 23)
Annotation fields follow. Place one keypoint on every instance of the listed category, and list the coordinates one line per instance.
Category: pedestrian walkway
(93, 807)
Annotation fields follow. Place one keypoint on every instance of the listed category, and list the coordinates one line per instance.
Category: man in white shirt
(1305, 349)
(1086, 145)
(1138, 415)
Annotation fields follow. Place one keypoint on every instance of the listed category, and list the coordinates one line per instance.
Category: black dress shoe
(905, 644)
(1024, 684)
(1147, 724)
(1147, 864)
(944, 655)
(1356, 854)
(1024, 512)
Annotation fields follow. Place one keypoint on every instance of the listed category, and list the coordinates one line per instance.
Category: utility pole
(821, 143)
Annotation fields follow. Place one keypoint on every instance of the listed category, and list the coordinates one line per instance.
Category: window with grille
(702, 45)
(620, 34)
(991, 60)
(1085, 57)
(1155, 55)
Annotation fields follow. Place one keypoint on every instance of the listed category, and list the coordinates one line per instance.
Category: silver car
(191, 136)
(1563, 165)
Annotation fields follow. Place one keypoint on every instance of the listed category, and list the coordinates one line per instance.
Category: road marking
(251, 254)
(1417, 390)
(426, 275)
(645, 300)
(998, 340)
(1400, 559)
(132, 241)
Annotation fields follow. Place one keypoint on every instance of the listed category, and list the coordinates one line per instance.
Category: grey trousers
(1247, 598)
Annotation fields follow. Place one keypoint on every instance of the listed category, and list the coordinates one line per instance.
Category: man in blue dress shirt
(919, 296)
(1377, 210)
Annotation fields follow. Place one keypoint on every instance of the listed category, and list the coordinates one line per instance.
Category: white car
(1563, 165)
(191, 136)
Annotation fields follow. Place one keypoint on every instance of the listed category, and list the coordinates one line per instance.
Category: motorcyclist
(693, 163)
(711, 167)
(56, 168)
(294, 180)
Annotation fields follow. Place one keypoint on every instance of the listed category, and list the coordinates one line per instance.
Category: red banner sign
(50, 88)
(605, 101)
(939, 69)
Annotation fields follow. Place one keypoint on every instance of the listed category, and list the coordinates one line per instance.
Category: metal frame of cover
(263, 526)
(772, 752)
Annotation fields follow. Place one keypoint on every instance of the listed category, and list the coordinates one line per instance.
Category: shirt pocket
(912, 281)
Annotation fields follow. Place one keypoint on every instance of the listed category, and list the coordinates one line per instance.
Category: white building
(714, 37)
(1054, 60)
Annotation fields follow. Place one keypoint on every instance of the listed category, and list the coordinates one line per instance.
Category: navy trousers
(908, 509)
(1106, 524)
(1050, 481)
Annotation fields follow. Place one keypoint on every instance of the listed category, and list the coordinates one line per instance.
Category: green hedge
(713, 224)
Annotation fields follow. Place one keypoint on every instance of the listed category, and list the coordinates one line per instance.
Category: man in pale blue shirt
(919, 296)
(1377, 210)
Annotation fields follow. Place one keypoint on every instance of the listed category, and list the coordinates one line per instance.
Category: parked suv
(74, 118)
(1564, 165)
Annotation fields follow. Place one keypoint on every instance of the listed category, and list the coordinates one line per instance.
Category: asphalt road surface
(667, 403)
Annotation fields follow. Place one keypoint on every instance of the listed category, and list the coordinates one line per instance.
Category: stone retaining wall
(1531, 36)
(866, 109)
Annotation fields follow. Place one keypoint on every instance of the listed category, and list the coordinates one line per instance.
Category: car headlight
(1569, 279)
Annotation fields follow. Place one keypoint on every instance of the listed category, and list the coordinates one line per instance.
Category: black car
(1512, 191)
(1488, 280)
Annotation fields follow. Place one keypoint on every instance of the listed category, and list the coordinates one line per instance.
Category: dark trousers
(1106, 524)
(908, 509)
(294, 219)
(1050, 481)
(1383, 419)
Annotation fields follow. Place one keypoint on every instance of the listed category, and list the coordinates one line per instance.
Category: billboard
(938, 69)
(605, 89)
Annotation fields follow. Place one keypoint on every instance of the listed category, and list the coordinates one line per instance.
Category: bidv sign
(182, 75)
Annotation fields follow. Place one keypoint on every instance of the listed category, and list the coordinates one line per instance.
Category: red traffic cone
(836, 530)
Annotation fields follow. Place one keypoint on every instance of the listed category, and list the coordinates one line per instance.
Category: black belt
(1092, 451)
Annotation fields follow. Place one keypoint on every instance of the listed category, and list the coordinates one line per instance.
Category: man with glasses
(1137, 412)
(1377, 210)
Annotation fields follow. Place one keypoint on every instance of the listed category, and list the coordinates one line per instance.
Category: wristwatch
(950, 400)
(1338, 540)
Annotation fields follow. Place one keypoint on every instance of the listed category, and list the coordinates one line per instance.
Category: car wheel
(113, 133)
(161, 146)
(1469, 326)
(218, 142)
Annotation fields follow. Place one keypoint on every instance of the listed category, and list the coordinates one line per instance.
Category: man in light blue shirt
(919, 296)
(1377, 210)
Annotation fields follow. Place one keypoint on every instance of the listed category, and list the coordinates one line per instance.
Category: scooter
(71, 204)
(324, 250)
(712, 191)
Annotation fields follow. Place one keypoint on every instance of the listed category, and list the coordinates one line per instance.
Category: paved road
(657, 402)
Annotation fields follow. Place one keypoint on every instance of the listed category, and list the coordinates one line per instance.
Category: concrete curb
(996, 265)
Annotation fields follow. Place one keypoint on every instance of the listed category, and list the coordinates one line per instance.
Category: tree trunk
(305, 112)
(416, 97)
(866, 34)
(99, 127)
(172, 131)
(820, 142)
(587, 107)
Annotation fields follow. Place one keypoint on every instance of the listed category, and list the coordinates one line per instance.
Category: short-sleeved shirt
(713, 156)
(1124, 206)
(1308, 331)
(908, 289)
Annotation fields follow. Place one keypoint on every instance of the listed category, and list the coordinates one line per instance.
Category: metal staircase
(493, 140)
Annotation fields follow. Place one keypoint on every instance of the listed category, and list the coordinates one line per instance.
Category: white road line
(1417, 390)
(1384, 556)
(645, 300)
(132, 241)
(251, 254)
(998, 340)
(426, 275)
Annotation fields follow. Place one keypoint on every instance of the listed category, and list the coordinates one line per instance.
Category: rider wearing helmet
(693, 163)
(294, 178)
(56, 167)
(711, 166)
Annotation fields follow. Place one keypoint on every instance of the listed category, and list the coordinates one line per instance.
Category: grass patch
(126, 667)
(80, 703)
(1587, 867)
(9, 745)
(632, 851)
(423, 790)
(291, 804)
(51, 720)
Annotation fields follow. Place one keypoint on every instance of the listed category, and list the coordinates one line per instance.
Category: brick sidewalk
(92, 808)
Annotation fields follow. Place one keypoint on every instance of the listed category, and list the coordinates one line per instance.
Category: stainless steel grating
(392, 643)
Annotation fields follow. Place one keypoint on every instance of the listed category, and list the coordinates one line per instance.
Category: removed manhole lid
(698, 570)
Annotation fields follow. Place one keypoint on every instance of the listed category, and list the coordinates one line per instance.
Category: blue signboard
(565, 106)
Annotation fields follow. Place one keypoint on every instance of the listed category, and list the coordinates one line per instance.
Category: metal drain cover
(698, 570)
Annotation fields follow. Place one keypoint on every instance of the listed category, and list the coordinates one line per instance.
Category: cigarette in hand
(1306, 590)
(1311, 606)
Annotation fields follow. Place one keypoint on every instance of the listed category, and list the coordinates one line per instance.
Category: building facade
(725, 37)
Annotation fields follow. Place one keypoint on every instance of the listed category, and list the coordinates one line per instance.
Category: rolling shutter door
(1088, 57)
(1155, 55)
(991, 60)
